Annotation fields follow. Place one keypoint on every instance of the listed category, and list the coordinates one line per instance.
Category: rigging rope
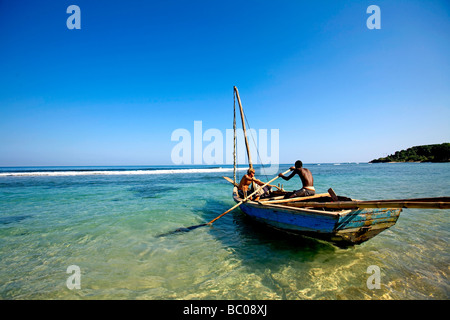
(256, 147)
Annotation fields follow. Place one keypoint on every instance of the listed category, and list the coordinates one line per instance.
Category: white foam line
(106, 173)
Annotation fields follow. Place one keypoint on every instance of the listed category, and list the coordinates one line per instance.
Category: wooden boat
(338, 219)
(343, 226)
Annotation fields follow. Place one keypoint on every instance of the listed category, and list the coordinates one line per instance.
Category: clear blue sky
(113, 92)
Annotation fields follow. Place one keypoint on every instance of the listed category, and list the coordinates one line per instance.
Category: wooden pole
(234, 138)
(243, 128)
(293, 200)
(423, 203)
(236, 185)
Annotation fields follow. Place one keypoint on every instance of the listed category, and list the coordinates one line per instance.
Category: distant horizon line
(177, 165)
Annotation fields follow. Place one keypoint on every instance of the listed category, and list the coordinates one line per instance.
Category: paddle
(235, 184)
(253, 193)
(220, 216)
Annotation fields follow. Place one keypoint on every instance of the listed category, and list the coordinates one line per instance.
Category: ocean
(105, 221)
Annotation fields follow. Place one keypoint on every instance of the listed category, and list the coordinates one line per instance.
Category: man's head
(298, 164)
(251, 171)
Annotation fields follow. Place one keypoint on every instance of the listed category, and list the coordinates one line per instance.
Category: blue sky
(113, 92)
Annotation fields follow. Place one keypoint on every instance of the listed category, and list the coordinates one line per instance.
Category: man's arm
(290, 176)
(258, 182)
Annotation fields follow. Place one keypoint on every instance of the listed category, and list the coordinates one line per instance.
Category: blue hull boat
(340, 226)
(326, 216)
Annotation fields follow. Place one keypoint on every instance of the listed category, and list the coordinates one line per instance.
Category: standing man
(307, 181)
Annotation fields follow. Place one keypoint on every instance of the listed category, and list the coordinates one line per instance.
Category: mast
(234, 138)
(243, 127)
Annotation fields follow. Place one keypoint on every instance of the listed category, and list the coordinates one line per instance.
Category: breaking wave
(113, 172)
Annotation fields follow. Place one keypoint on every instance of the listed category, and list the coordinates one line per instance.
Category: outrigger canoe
(342, 221)
(342, 226)
(338, 219)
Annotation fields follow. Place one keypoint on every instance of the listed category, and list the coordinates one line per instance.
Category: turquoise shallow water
(107, 224)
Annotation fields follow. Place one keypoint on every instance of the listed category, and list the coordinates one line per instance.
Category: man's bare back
(306, 178)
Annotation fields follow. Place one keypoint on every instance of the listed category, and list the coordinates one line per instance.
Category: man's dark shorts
(263, 193)
(304, 193)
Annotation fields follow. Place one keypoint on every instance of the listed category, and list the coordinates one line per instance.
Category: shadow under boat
(239, 232)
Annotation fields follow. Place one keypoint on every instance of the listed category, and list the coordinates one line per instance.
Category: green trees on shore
(426, 153)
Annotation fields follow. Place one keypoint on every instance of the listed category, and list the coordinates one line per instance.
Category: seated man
(307, 181)
(247, 180)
